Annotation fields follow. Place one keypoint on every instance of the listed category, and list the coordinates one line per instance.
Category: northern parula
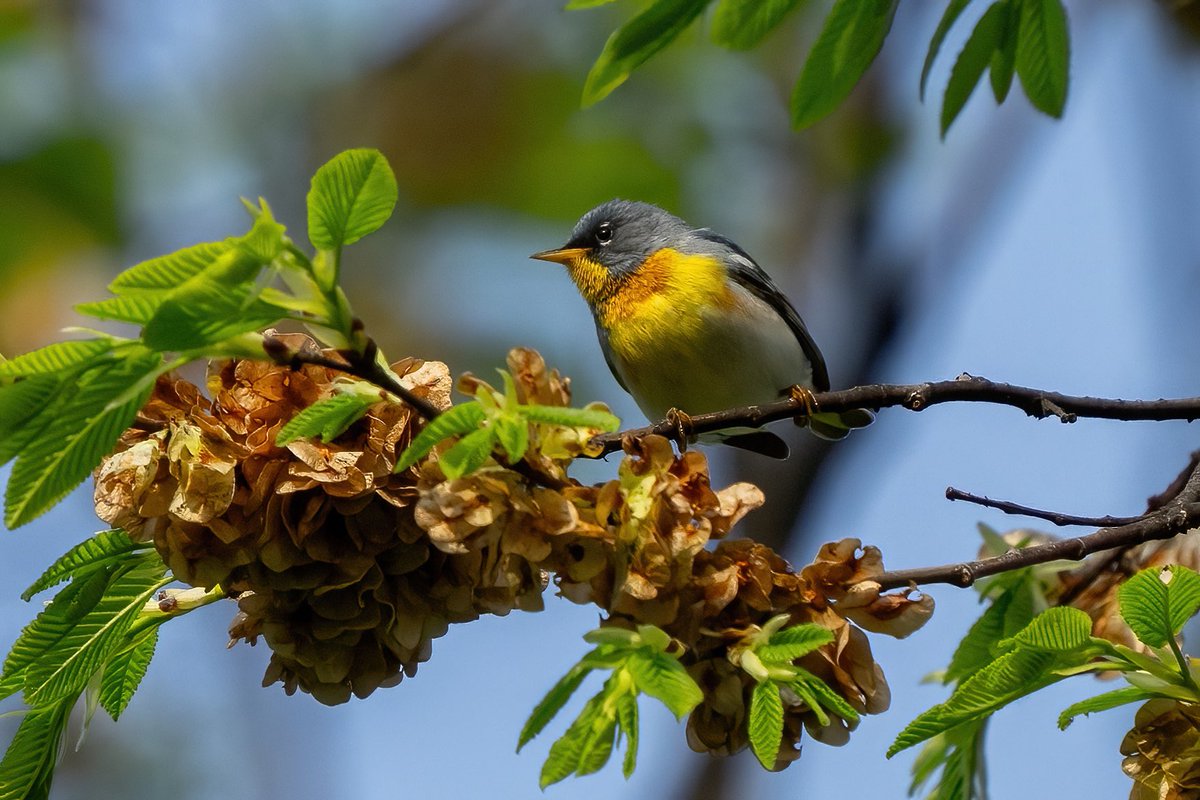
(689, 323)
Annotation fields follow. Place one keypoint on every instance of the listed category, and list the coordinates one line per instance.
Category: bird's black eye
(604, 233)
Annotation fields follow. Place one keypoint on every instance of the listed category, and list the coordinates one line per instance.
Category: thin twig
(918, 396)
(1055, 517)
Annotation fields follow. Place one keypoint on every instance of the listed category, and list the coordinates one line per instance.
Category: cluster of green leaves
(1025, 36)
(644, 661)
(768, 657)
(493, 421)
(62, 407)
(93, 638)
(1012, 652)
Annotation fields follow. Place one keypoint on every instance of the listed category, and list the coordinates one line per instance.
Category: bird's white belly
(729, 360)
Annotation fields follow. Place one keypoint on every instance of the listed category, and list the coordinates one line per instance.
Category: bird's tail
(835, 425)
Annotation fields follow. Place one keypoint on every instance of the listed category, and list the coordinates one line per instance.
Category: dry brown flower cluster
(349, 572)
(1162, 752)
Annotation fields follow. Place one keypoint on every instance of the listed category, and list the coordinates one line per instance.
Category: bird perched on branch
(690, 324)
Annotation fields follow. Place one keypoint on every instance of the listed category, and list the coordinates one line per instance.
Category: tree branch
(1055, 517)
(1037, 403)
(1176, 516)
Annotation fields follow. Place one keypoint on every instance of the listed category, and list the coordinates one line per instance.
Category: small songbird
(690, 324)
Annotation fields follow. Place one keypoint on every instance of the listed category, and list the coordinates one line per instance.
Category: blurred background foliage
(1056, 253)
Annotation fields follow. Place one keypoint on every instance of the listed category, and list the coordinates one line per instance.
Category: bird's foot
(803, 396)
(683, 428)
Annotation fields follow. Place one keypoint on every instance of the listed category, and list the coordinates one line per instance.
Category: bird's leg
(804, 397)
(683, 427)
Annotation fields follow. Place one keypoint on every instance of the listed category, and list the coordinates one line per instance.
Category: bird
(689, 323)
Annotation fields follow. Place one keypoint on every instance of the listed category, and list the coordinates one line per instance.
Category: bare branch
(1055, 517)
(1037, 403)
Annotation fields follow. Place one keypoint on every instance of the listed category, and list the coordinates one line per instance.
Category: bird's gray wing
(750, 276)
(602, 335)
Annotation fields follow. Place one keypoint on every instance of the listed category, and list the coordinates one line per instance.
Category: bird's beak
(561, 255)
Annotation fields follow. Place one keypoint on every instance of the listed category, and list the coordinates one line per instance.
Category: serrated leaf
(468, 454)
(55, 357)
(636, 41)
(133, 308)
(953, 10)
(1102, 702)
(168, 272)
(53, 623)
(742, 24)
(513, 434)
(975, 57)
(826, 695)
(597, 744)
(849, 41)
(29, 760)
(97, 552)
(81, 431)
(1004, 59)
(265, 239)
(455, 421)
(1010, 676)
(563, 758)
(68, 666)
(124, 672)
(976, 648)
(351, 195)
(211, 306)
(1156, 603)
(1060, 629)
(788, 644)
(1043, 54)
(552, 703)
(765, 726)
(663, 678)
(571, 417)
(24, 407)
(627, 719)
(328, 418)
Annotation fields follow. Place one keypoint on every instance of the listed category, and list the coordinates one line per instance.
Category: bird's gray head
(620, 234)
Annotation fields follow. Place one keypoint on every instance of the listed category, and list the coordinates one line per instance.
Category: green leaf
(825, 695)
(765, 726)
(789, 644)
(663, 678)
(636, 41)
(1010, 676)
(552, 703)
(1004, 58)
(352, 195)
(165, 273)
(135, 308)
(851, 38)
(211, 306)
(975, 57)
(454, 421)
(23, 407)
(469, 454)
(563, 759)
(1157, 602)
(513, 434)
(328, 418)
(1043, 54)
(1061, 629)
(571, 417)
(51, 625)
(742, 24)
(97, 552)
(627, 718)
(29, 760)
(80, 433)
(68, 666)
(597, 743)
(953, 10)
(124, 672)
(976, 649)
(55, 357)
(265, 239)
(1102, 702)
